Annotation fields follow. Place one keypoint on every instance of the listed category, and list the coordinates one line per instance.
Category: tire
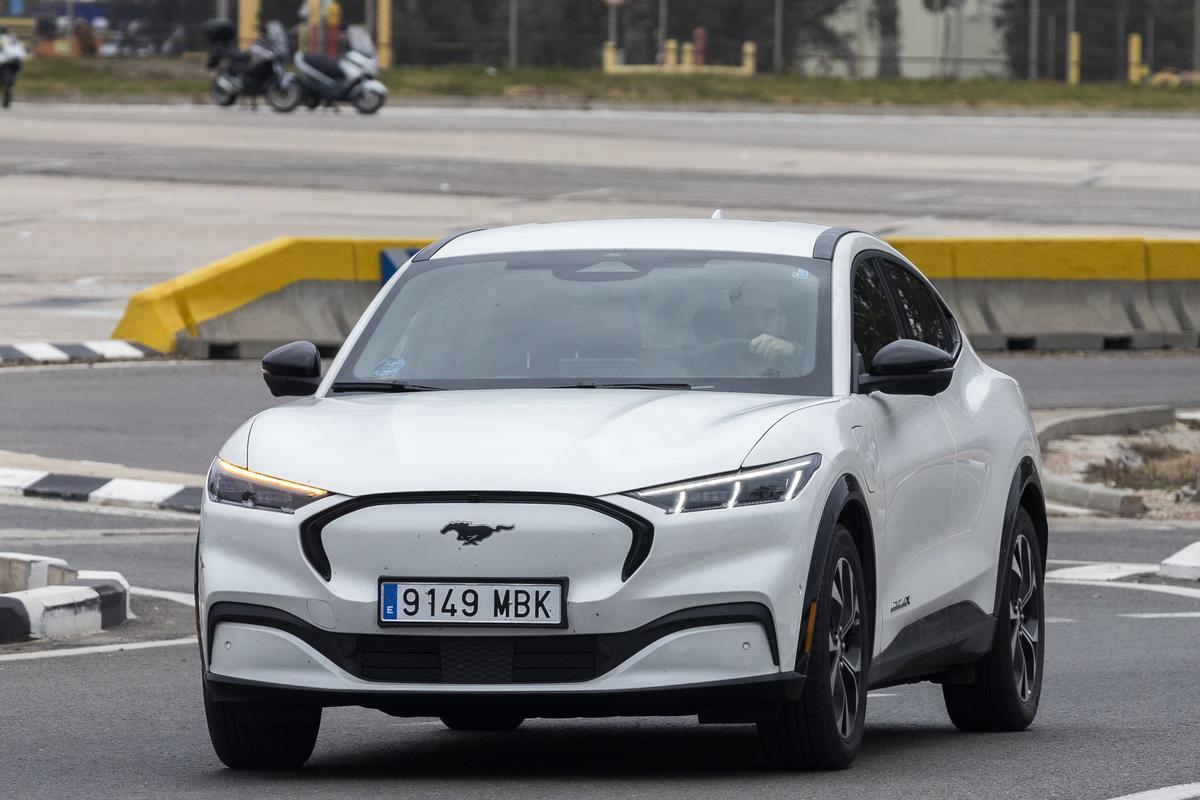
(256, 736)
(220, 95)
(1008, 680)
(7, 78)
(284, 97)
(368, 102)
(481, 722)
(819, 731)
(312, 102)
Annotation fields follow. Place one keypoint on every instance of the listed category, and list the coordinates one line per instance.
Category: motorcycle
(12, 57)
(251, 73)
(353, 78)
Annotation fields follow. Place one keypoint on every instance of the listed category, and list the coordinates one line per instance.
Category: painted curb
(1095, 496)
(1184, 564)
(102, 491)
(92, 602)
(28, 353)
(1098, 423)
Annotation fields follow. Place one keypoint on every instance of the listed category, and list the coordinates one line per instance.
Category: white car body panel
(935, 476)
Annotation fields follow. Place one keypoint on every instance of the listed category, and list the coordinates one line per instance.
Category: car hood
(579, 441)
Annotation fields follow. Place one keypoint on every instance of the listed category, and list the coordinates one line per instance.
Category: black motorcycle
(257, 72)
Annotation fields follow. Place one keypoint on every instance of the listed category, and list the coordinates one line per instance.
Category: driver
(759, 315)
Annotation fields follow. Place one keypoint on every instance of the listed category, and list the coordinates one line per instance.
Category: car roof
(741, 236)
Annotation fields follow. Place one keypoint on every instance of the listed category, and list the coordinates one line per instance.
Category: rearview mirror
(293, 370)
(907, 366)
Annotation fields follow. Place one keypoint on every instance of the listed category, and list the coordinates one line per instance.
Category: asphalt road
(101, 414)
(1117, 716)
(1059, 171)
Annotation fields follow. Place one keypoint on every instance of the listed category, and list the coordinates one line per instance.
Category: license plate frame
(477, 583)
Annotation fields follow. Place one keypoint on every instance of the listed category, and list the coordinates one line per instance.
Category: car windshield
(680, 319)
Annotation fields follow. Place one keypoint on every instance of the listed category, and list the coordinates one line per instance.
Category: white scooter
(353, 78)
(12, 57)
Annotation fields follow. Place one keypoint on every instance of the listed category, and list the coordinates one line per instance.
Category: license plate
(470, 603)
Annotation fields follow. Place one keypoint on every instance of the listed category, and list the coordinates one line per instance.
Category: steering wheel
(723, 352)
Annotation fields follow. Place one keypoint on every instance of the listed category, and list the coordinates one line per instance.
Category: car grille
(477, 659)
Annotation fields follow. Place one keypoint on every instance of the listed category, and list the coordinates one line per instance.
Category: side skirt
(933, 645)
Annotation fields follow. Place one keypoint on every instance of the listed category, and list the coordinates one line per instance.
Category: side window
(874, 325)
(920, 314)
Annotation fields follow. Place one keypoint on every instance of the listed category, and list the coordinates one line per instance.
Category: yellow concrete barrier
(159, 315)
(1008, 293)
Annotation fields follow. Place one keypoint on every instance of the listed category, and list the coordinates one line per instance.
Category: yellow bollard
(247, 23)
(383, 35)
(749, 58)
(610, 57)
(687, 58)
(1074, 49)
(1136, 70)
(670, 56)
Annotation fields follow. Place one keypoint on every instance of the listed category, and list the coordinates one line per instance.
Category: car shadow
(556, 750)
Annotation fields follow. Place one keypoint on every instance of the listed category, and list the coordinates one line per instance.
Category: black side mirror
(906, 366)
(293, 370)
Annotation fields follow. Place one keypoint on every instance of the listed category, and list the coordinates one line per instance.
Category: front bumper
(713, 605)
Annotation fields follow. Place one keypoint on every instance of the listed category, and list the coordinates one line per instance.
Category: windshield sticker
(388, 368)
(800, 274)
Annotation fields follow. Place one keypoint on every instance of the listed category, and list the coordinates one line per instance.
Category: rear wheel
(1008, 680)
(368, 102)
(482, 722)
(284, 97)
(257, 736)
(823, 729)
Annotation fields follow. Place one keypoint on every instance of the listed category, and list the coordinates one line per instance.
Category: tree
(887, 17)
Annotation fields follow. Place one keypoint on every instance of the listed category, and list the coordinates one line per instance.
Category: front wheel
(258, 736)
(823, 729)
(223, 93)
(284, 96)
(368, 102)
(1008, 680)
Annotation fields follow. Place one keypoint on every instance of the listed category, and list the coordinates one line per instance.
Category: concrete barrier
(1173, 271)
(244, 305)
(1008, 294)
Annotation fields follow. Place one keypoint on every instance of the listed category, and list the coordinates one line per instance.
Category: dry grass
(1147, 465)
(141, 80)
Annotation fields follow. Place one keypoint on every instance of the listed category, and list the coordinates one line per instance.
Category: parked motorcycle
(259, 71)
(353, 78)
(12, 57)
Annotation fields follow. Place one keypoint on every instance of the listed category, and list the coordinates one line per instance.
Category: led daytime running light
(258, 477)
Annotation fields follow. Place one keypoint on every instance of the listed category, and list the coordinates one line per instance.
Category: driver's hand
(770, 347)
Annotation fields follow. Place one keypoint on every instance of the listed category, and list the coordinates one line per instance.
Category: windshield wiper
(595, 385)
(382, 386)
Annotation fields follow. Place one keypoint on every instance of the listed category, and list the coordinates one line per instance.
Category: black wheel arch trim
(846, 490)
(1025, 478)
(642, 532)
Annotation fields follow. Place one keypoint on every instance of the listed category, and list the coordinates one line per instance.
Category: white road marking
(1057, 620)
(882, 694)
(115, 348)
(184, 598)
(1178, 591)
(1165, 615)
(42, 351)
(98, 648)
(1183, 791)
(127, 490)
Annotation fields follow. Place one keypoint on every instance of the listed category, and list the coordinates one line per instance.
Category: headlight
(770, 484)
(229, 483)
